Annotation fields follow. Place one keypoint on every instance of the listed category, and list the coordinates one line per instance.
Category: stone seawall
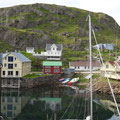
(40, 81)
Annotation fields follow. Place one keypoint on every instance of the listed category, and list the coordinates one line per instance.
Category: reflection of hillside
(12, 103)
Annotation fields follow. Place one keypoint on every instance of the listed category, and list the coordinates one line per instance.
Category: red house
(52, 67)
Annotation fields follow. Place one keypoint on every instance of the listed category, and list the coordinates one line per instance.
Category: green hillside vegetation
(38, 24)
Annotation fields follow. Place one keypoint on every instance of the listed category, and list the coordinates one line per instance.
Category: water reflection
(66, 102)
(12, 102)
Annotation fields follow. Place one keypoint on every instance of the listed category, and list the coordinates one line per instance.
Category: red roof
(112, 62)
(84, 63)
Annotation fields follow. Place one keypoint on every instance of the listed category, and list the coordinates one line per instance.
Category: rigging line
(79, 107)
(68, 106)
(107, 76)
(85, 106)
(71, 110)
(82, 99)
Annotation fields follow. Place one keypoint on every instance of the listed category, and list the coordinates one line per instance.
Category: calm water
(64, 103)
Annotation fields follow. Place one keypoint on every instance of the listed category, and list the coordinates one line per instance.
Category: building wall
(26, 68)
(83, 68)
(52, 69)
(15, 68)
(109, 68)
(22, 68)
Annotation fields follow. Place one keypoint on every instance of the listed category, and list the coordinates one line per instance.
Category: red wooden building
(52, 67)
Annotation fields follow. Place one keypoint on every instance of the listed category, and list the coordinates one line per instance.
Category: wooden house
(112, 69)
(52, 67)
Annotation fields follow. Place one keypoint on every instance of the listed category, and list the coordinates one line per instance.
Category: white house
(53, 52)
(30, 50)
(80, 66)
(104, 46)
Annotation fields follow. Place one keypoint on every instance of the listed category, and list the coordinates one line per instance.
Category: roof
(48, 46)
(111, 62)
(29, 48)
(52, 63)
(84, 63)
(18, 55)
(51, 99)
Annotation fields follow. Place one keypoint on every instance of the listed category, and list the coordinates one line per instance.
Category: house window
(4, 108)
(15, 65)
(107, 66)
(10, 66)
(3, 72)
(9, 99)
(9, 114)
(16, 99)
(10, 59)
(3, 99)
(9, 107)
(17, 72)
(5, 64)
(10, 72)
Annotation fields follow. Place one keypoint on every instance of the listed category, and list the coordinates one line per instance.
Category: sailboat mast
(91, 93)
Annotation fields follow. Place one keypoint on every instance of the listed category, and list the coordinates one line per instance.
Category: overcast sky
(110, 7)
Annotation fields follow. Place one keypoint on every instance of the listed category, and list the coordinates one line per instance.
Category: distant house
(84, 65)
(112, 69)
(53, 52)
(30, 50)
(15, 65)
(52, 67)
(104, 46)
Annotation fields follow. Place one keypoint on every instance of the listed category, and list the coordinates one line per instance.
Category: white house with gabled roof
(53, 52)
(30, 50)
(15, 65)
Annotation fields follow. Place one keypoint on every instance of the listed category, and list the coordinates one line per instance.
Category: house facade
(104, 46)
(53, 52)
(112, 69)
(15, 65)
(52, 67)
(80, 66)
(30, 50)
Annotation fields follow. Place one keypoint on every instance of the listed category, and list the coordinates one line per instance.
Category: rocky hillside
(38, 24)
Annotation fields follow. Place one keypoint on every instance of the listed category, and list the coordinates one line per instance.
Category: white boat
(74, 80)
(66, 80)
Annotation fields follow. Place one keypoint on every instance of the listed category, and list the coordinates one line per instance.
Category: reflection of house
(12, 103)
(110, 105)
(104, 46)
(52, 67)
(84, 65)
(112, 69)
(15, 65)
(53, 52)
(52, 103)
(30, 50)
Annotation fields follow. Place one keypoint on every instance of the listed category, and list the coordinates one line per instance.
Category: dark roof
(48, 46)
(84, 63)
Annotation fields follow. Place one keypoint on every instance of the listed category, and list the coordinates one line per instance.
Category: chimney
(18, 51)
(15, 51)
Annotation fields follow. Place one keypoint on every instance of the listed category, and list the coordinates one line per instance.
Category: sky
(110, 7)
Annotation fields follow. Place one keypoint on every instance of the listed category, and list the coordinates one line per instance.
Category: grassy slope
(71, 26)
